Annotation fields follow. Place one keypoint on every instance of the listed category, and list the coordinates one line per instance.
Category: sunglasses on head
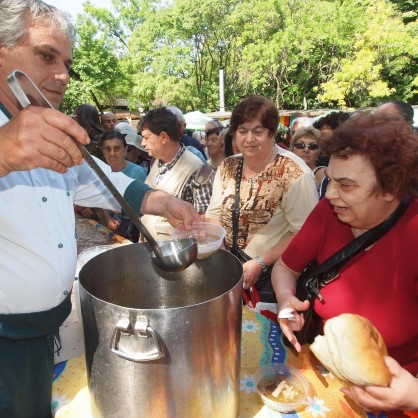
(301, 145)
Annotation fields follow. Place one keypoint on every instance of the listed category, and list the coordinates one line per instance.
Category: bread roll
(353, 349)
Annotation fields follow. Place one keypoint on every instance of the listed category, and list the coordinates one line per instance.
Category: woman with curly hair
(372, 171)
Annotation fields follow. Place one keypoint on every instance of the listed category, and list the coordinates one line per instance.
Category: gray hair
(306, 131)
(178, 113)
(13, 23)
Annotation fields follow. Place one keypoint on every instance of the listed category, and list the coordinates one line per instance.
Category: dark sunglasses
(301, 145)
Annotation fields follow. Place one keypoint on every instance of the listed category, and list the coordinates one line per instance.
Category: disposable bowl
(209, 237)
(281, 387)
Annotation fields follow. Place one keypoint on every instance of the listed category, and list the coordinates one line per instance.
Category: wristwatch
(263, 266)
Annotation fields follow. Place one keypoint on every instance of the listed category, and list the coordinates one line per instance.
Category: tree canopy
(339, 53)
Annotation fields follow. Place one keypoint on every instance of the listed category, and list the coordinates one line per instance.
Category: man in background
(174, 168)
(399, 109)
(109, 121)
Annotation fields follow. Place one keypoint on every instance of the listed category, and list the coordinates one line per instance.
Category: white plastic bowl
(294, 394)
(209, 237)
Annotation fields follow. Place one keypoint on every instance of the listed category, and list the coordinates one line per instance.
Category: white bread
(353, 349)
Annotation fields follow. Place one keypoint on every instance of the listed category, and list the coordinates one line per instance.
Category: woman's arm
(252, 268)
(284, 284)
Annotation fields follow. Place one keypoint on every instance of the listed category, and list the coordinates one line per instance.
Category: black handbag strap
(329, 269)
(235, 210)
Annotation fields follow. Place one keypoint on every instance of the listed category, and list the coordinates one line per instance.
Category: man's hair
(14, 23)
(405, 110)
(161, 120)
(255, 107)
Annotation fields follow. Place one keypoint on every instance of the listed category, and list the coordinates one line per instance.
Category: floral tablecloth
(261, 343)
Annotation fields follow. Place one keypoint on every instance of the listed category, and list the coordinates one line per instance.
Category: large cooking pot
(161, 344)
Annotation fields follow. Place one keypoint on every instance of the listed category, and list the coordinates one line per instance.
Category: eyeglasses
(301, 145)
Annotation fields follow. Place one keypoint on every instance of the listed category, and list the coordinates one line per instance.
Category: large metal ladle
(173, 255)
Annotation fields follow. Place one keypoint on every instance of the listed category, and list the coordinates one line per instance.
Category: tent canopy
(196, 120)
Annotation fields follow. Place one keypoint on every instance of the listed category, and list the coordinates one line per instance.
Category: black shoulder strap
(235, 211)
(329, 269)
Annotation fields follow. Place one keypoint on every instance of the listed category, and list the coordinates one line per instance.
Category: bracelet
(260, 261)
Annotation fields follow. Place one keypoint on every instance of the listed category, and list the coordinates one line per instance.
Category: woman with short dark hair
(276, 191)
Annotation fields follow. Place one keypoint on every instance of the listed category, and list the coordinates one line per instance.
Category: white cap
(131, 136)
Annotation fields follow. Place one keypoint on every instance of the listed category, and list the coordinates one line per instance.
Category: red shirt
(380, 284)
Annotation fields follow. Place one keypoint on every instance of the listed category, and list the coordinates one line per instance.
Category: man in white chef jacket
(42, 174)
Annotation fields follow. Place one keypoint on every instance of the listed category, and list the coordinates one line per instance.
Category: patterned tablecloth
(261, 344)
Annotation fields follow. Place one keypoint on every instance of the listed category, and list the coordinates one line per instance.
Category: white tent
(196, 120)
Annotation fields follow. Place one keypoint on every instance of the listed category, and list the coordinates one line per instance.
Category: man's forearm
(155, 202)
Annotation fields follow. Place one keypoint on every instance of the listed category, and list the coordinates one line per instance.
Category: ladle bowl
(176, 254)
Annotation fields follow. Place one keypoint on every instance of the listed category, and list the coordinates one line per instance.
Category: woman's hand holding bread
(401, 394)
(353, 349)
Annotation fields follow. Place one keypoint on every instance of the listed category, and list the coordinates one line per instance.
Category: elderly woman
(305, 145)
(215, 146)
(276, 192)
(373, 167)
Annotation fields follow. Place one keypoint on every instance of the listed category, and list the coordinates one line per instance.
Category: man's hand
(40, 137)
(180, 214)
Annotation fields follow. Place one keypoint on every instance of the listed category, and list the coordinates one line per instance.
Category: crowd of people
(281, 208)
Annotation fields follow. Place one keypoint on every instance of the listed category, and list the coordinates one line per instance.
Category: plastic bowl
(209, 237)
(281, 387)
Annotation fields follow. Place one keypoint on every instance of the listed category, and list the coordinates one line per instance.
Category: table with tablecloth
(261, 344)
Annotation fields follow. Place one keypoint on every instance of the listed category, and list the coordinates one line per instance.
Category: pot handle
(141, 330)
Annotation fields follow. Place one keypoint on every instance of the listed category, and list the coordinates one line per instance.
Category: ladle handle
(122, 202)
(18, 82)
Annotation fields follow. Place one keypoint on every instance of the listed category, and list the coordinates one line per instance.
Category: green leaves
(345, 53)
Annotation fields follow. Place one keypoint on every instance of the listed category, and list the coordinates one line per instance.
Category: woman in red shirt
(373, 166)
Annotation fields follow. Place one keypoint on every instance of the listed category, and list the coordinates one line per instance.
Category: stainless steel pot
(161, 344)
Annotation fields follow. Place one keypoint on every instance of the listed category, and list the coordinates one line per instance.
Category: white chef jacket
(38, 250)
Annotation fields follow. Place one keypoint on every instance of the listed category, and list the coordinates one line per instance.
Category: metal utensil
(173, 255)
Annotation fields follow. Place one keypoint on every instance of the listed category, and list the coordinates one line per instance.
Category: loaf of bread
(353, 349)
